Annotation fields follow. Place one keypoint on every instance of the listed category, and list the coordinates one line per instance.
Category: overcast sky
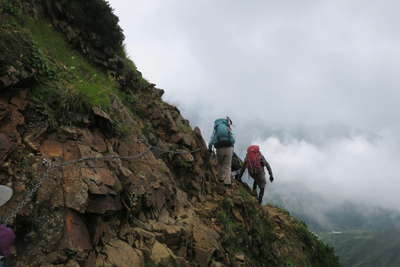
(315, 83)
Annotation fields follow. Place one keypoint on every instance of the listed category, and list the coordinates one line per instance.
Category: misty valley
(362, 234)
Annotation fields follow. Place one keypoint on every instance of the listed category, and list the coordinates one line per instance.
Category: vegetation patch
(269, 236)
(9, 7)
(253, 238)
(72, 67)
(64, 85)
(86, 15)
(67, 86)
(317, 252)
(19, 60)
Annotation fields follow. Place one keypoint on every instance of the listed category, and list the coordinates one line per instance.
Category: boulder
(119, 253)
(205, 243)
(76, 234)
(161, 253)
(6, 146)
(104, 204)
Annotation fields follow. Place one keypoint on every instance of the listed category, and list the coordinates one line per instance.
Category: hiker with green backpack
(223, 141)
(255, 163)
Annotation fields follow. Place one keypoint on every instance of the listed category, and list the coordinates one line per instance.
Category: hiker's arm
(266, 164)
(271, 176)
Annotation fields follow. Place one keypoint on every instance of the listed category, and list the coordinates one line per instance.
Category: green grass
(74, 72)
(318, 253)
(9, 7)
(68, 85)
(257, 232)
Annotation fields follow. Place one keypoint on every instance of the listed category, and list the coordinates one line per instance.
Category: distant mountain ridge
(362, 235)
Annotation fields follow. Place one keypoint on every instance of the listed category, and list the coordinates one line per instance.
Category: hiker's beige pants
(224, 159)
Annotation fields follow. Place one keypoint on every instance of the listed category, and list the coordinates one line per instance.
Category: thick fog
(315, 83)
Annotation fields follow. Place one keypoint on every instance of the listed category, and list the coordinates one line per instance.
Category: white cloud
(356, 169)
(321, 77)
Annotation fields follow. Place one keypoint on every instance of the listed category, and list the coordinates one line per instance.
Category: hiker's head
(230, 123)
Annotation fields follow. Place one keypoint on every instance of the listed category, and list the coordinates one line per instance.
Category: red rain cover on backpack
(253, 159)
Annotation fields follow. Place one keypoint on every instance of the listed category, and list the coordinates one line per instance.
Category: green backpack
(223, 134)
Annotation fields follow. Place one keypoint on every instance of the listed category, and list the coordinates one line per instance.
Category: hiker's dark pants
(259, 179)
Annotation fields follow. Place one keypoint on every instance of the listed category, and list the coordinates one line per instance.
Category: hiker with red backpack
(255, 163)
(223, 141)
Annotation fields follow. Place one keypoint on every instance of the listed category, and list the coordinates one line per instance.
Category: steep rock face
(121, 177)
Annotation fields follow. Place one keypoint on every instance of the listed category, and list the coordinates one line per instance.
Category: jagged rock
(203, 256)
(72, 263)
(94, 139)
(138, 237)
(159, 92)
(94, 186)
(175, 236)
(7, 81)
(183, 139)
(20, 100)
(161, 253)
(118, 253)
(14, 120)
(5, 147)
(145, 234)
(186, 156)
(51, 149)
(4, 111)
(102, 232)
(199, 136)
(34, 133)
(15, 68)
(99, 112)
(206, 241)
(240, 257)
(238, 215)
(217, 264)
(75, 190)
(104, 204)
(76, 235)
(124, 172)
(57, 257)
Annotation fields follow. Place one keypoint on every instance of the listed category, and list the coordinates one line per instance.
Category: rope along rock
(49, 166)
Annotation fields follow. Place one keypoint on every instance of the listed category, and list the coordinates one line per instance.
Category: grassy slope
(280, 239)
(73, 71)
(68, 86)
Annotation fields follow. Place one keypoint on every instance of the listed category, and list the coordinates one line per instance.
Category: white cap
(5, 194)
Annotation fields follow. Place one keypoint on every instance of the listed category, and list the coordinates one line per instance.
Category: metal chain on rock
(50, 165)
